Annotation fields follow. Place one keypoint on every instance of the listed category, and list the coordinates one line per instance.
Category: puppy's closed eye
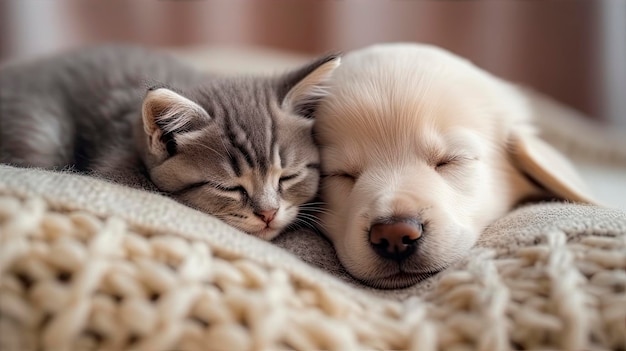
(342, 175)
(455, 160)
(443, 163)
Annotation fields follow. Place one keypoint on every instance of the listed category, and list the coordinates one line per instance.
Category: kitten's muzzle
(395, 238)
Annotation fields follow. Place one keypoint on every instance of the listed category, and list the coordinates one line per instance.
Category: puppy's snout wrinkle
(395, 240)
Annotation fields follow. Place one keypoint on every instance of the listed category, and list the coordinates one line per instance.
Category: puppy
(420, 151)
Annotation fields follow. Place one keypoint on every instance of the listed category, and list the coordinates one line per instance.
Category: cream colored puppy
(420, 150)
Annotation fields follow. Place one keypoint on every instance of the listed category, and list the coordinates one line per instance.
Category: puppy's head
(420, 150)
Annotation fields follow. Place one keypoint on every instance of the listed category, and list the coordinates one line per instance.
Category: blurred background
(574, 51)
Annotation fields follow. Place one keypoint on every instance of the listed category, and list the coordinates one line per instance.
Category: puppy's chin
(396, 280)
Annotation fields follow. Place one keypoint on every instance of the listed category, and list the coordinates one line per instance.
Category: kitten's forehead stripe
(260, 116)
(271, 128)
(271, 103)
(277, 161)
(238, 138)
(313, 166)
(283, 158)
(219, 110)
(249, 124)
(250, 114)
(273, 133)
(234, 163)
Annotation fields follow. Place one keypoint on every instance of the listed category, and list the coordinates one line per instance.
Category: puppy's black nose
(395, 239)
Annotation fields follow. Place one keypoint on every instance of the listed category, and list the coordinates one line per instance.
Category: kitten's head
(240, 149)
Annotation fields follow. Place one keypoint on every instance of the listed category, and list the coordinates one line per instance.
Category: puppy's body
(420, 151)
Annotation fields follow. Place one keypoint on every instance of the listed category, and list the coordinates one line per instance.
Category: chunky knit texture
(90, 265)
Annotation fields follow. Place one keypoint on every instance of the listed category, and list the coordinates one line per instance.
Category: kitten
(239, 148)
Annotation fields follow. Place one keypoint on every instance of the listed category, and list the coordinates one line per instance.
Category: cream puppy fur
(420, 151)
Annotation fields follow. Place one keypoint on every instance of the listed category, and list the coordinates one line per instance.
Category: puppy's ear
(166, 115)
(548, 168)
(301, 90)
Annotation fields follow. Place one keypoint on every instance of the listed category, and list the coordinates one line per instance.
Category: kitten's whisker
(299, 223)
(312, 204)
(226, 148)
(309, 220)
(306, 218)
(317, 210)
(203, 145)
(318, 205)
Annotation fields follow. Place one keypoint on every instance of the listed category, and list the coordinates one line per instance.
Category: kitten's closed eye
(285, 179)
(194, 186)
(190, 187)
(239, 189)
(288, 177)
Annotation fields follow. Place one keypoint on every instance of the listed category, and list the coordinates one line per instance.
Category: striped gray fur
(239, 148)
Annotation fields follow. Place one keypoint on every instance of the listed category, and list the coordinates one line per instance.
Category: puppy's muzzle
(395, 239)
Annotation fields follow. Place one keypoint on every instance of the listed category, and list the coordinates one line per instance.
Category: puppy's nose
(395, 239)
(267, 215)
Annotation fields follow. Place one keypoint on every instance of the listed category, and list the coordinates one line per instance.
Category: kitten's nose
(395, 239)
(267, 215)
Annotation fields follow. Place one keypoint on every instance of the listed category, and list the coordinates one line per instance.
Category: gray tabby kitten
(238, 148)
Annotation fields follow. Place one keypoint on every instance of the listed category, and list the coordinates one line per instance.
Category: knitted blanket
(90, 265)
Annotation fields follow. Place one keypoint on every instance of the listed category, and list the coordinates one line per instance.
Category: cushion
(88, 264)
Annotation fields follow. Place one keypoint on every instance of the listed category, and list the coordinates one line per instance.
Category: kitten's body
(78, 110)
(221, 145)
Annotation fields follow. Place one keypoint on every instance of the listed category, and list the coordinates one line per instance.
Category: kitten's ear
(301, 89)
(166, 113)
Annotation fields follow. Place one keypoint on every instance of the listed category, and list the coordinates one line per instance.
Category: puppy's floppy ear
(547, 167)
(300, 90)
(165, 114)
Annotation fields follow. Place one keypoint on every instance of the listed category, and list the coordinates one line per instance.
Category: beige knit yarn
(85, 277)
